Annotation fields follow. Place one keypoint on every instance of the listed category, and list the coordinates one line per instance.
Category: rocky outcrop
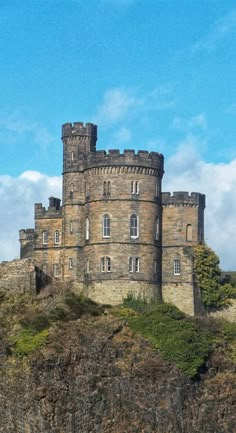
(95, 376)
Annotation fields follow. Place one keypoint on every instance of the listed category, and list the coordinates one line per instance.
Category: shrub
(177, 337)
(27, 342)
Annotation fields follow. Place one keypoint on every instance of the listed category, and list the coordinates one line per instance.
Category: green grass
(27, 342)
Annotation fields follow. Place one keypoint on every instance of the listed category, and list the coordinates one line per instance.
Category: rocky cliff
(94, 375)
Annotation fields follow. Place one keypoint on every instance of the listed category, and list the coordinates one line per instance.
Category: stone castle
(116, 232)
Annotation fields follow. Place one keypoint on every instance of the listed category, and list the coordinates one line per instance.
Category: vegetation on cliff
(186, 341)
(216, 293)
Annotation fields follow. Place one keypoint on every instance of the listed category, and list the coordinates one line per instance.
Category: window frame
(87, 228)
(45, 237)
(71, 263)
(134, 265)
(105, 264)
(56, 272)
(57, 237)
(134, 187)
(177, 267)
(134, 226)
(157, 229)
(106, 226)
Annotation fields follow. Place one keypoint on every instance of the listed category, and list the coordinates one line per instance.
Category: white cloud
(18, 123)
(186, 171)
(218, 32)
(119, 104)
(196, 122)
(17, 196)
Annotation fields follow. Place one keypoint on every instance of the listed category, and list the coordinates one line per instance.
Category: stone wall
(18, 276)
(227, 313)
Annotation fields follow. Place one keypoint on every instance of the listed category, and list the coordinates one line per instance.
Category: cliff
(95, 375)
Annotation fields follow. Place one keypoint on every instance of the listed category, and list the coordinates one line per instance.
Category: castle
(116, 232)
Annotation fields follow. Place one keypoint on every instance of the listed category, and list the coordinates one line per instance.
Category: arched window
(106, 226)
(157, 229)
(189, 233)
(56, 237)
(134, 232)
(87, 229)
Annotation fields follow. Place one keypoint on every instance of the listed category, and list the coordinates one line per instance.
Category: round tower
(79, 140)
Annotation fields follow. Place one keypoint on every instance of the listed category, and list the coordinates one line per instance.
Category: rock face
(96, 376)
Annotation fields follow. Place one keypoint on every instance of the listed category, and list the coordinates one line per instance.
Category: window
(70, 263)
(176, 267)
(87, 229)
(56, 237)
(56, 270)
(71, 227)
(189, 233)
(107, 189)
(71, 187)
(134, 232)
(134, 187)
(87, 267)
(157, 229)
(106, 229)
(157, 189)
(155, 267)
(72, 156)
(45, 237)
(105, 264)
(134, 264)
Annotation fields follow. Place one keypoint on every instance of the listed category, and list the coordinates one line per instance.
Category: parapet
(184, 198)
(113, 158)
(79, 128)
(26, 234)
(54, 209)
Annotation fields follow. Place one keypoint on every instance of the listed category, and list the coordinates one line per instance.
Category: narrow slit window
(87, 229)
(189, 233)
(157, 229)
(106, 229)
(134, 229)
(70, 263)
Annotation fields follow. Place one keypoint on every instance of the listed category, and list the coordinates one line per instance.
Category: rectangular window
(134, 264)
(56, 237)
(45, 237)
(87, 267)
(134, 187)
(131, 264)
(106, 226)
(71, 227)
(70, 263)
(176, 267)
(105, 264)
(56, 270)
(155, 262)
(157, 190)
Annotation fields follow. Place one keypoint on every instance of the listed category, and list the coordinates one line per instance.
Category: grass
(32, 325)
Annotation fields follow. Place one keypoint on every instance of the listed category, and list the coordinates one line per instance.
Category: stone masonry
(115, 232)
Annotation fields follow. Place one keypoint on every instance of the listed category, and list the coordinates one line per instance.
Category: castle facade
(115, 231)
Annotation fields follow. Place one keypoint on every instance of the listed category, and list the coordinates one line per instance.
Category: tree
(207, 274)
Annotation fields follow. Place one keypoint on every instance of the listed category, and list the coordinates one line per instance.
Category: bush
(177, 337)
(27, 342)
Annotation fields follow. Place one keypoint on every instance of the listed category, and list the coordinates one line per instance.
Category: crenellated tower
(116, 232)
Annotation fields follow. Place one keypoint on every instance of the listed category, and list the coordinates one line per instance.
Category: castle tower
(79, 141)
(182, 228)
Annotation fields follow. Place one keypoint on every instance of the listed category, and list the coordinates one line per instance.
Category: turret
(79, 139)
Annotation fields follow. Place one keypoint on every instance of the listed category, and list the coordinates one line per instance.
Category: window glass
(106, 226)
(133, 226)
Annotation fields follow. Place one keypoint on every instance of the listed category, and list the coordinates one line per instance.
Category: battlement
(184, 198)
(113, 158)
(26, 234)
(79, 128)
(54, 209)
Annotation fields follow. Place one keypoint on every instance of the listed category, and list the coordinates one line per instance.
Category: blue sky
(153, 74)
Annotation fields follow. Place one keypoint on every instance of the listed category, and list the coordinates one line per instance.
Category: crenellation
(115, 232)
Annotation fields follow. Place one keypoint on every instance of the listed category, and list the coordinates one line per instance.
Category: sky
(155, 75)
